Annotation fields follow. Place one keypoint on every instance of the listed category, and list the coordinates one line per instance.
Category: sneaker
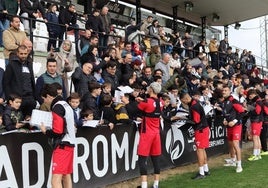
(239, 169)
(254, 158)
(198, 176)
(264, 152)
(207, 173)
(230, 164)
(259, 156)
(228, 160)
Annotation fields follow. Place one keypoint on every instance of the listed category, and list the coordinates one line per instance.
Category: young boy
(74, 102)
(13, 116)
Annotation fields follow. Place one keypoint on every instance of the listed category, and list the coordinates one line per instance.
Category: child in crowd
(45, 106)
(169, 111)
(121, 111)
(86, 115)
(106, 88)
(13, 116)
(108, 112)
(74, 102)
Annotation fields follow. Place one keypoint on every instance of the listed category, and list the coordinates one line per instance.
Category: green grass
(254, 175)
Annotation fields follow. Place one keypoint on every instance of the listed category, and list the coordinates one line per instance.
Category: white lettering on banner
(100, 139)
(5, 164)
(26, 148)
(217, 132)
(135, 149)
(120, 151)
(81, 141)
(216, 143)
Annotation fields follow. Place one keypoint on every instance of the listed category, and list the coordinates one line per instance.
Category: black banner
(101, 156)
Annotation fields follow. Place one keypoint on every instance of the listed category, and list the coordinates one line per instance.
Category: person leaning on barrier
(150, 142)
(30, 10)
(63, 134)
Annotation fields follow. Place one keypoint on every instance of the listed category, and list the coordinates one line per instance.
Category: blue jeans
(4, 24)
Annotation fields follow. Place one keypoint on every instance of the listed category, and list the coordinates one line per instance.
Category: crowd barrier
(102, 156)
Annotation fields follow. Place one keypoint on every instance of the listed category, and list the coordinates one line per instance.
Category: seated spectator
(30, 9)
(13, 116)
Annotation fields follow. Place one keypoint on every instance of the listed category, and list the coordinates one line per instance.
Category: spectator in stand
(30, 9)
(108, 111)
(145, 24)
(93, 40)
(2, 94)
(165, 43)
(65, 61)
(13, 116)
(19, 79)
(223, 51)
(106, 23)
(188, 44)
(132, 31)
(236, 55)
(146, 79)
(154, 57)
(82, 76)
(127, 49)
(165, 67)
(90, 99)
(4, 23)
(53, 29)
(94, 23)
(68, 18)
(213, 52)
(109, 75)
(83, 42)
(153, 33)
(126, 67)
(12, 37)
(50, 76)
(250, 61)
(177, 43)
(200, 47)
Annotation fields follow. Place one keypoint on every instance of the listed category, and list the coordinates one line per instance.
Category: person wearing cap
(197, 115)
(150, 142)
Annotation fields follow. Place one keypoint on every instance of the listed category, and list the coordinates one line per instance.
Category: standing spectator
(68, 18)
(200, 47)
(53, 29)
(146, 24)
(232, 111)
(197, 115)
(12, 37)
(82, 77)
(213, 52)
(255, 114)
(3, 19)
(49, 77)
(223, 51)
(146, 79)
(177, 43)
(164, 66)
(83, 42)
(153, 32)
(188, 44)
(132, 31)
(150, 142)
(29, 9)
(19, 79)
(65, 61)
(109, 75)
(63, 134)
(12, 7)
(90, 99)
(106, 22)
(94, 23)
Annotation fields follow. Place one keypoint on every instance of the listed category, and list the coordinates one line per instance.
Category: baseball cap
(156, 87)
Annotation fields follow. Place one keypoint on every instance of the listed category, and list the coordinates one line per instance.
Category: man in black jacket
(19, 79)
(68, 18)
